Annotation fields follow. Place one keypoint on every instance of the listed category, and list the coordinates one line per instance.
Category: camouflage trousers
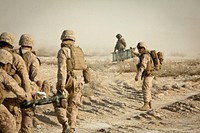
(7, 121)
(27, 120)
(28, 114)
(13, 106)
(146, 88)
(70, 112)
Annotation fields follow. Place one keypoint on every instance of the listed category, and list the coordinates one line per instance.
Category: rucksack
(157, 59)
(160, 57)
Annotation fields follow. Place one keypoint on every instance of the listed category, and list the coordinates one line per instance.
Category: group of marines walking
(20, 80)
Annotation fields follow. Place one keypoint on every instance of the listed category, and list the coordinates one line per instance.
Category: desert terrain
(112, 98)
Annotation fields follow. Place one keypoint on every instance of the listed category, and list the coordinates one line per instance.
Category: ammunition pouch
(87, 75)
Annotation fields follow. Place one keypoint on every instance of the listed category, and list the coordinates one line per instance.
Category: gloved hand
(41, 94)
(28, 97)
(65, 94)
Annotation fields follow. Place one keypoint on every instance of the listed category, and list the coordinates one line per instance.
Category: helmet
(68, 34)
(142, 45)
(26, 40)
(5, 57)
(118, 35)
(8, 38)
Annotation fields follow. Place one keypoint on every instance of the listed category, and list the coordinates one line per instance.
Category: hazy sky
(165, 25)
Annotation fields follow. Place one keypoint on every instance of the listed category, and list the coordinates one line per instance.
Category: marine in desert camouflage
(9, 88)
(19, 72)
(71, 77)
(146, 73)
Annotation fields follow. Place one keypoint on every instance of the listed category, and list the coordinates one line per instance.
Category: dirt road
(114, 98)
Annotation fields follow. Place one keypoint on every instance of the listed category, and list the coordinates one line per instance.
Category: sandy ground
(113, 99)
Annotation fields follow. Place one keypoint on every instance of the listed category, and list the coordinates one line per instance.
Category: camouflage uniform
(8, 88)
(146, 72)
(19, 73)
(32, 62)
(67, 111)
(120, 46)
(33, 67)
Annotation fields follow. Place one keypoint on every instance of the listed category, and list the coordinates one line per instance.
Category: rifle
(48, 100)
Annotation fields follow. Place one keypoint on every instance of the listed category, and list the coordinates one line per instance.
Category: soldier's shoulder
(122, 39)
(17, 59)
(15, 55)
(146, 55)
(63, 50)
(33, 54)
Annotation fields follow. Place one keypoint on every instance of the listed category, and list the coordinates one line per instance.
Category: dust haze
(111, 99)
(170, 26)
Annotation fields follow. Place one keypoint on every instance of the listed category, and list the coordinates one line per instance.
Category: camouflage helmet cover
(142, 45)
(8, 38)
(5, 57)
(26, 40)
(118, 35)
(68, 34)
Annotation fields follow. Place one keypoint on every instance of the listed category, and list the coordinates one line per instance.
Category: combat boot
(145, 107)
(66, 128)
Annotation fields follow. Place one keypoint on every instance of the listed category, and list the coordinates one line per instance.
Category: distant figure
(119, 47)
(145, 72)
(121, 44)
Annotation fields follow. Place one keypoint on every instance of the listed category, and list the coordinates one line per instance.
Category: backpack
(77, 58)
(157, 59)
(77, 62)
(160, 57)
